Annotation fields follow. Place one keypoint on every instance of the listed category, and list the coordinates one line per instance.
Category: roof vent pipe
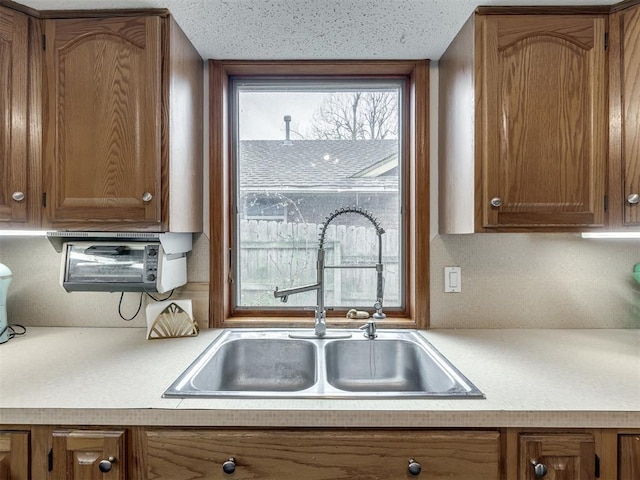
(287, 122)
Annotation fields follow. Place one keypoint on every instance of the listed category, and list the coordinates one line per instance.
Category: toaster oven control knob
(151, 277)
(105, 466)
(18, 196)
(153, 252)
(147, 197)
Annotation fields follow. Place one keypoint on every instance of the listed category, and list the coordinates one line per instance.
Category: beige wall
(508, 281)
(535, 281)
(36, 297)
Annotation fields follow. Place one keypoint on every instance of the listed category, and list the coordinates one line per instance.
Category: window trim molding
(416, 185)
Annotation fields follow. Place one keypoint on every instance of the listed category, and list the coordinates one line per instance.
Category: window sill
(308, 322)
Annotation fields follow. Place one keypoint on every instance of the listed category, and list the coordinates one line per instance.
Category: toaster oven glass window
(95, 264)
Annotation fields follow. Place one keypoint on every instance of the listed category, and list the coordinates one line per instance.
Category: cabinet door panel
(13, 116)
(545, 120)
(565, 456)
(103, 126)
(77, 455)
(322, 455)
(630, 56)
(629, 457)
(14, 455)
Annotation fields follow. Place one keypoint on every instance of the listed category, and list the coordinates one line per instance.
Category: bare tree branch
(357, 116)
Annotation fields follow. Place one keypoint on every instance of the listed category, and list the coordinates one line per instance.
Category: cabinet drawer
(322, 454)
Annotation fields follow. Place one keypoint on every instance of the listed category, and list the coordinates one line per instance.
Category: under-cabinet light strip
(611, 235)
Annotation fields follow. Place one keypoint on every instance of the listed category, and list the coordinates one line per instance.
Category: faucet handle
(369, 329)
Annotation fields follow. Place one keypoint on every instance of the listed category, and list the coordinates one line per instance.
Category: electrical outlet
(452, 279)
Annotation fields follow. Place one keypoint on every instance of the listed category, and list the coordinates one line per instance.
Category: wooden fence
(284, 255)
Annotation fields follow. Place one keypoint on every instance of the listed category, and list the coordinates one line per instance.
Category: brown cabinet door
(103, 122)
(629, 457)
(630, 83)
(322, 454)
(561, 456)
(14, 189)
(543, 120)
(14, 455)
(89, 455)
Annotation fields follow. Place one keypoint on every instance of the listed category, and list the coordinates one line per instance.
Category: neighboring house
(303, 181)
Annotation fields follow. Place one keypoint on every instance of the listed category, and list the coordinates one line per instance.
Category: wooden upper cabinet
(102, 140)
(524, 124)
(625, 118)
(123, 125)
(14, 181)
(89, 455)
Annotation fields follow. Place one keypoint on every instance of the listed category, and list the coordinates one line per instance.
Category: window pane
(304, 150)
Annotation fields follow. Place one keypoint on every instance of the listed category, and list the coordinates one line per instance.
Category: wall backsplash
(535, 281)
(508, 281)
(37, 299)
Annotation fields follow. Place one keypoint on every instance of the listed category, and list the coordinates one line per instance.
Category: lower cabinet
(570, 456)
(88, 455)
(41, 452)
(322, 454)
(629, 457)
(14, 455)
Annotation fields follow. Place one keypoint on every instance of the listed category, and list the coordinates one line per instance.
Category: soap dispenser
(5, 279)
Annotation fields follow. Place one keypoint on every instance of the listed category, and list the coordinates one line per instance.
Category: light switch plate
(452, 279)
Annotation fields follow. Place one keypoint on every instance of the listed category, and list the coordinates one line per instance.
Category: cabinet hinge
(597, 465)
(606, 40)
(606, 203)
(50, 459)
(44, 199)
(44, 42)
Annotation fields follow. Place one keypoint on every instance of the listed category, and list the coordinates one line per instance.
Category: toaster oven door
(109, 267)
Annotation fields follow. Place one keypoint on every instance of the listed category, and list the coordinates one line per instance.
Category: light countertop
(531, 378)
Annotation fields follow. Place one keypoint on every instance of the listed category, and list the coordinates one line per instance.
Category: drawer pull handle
(229, 466)
(147, 197)
(105, 466)
(633, 198)
(539, 469)
(414, 467)
(496, 201)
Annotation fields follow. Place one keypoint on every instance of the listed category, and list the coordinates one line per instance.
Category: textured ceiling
(313, 29)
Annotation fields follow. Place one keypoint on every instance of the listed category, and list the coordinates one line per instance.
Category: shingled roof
(366, 165)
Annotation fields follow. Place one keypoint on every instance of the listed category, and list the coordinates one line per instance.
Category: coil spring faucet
(320, 327)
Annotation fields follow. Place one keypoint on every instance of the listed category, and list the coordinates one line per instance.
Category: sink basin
(385, 366)
(261, 362)
(272, 363)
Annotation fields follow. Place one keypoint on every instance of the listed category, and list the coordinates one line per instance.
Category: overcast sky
(262, 113)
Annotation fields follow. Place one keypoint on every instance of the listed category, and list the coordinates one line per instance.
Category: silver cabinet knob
(414, 467)
(496, 201)
(539, 469)
(105, 466)
(147, 197)
(18, 196)
(229, 466)
(633, 198)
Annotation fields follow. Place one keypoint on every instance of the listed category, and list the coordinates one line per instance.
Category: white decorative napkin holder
(170, 319)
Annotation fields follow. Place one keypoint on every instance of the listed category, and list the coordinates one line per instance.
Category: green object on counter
(636, 272)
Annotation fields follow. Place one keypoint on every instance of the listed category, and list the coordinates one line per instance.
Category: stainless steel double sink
(278, 363)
